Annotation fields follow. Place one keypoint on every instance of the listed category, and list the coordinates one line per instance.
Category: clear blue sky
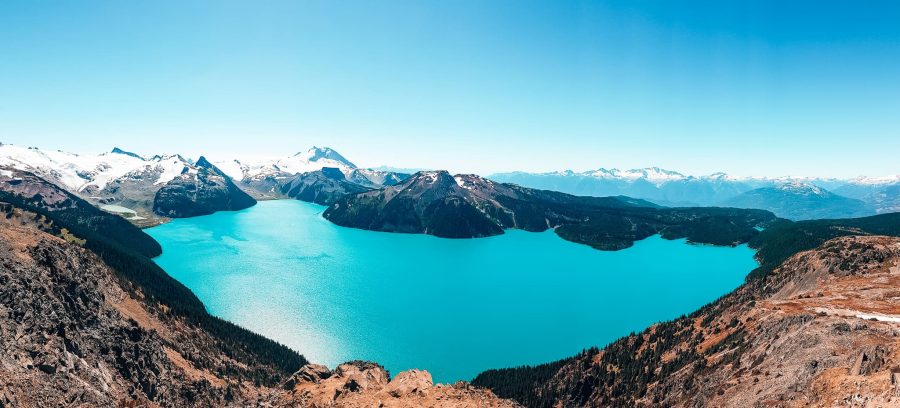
(751, 88)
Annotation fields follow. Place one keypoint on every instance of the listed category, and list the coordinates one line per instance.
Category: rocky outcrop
(359, 384)
(821, 330)
(322, 187)
(200, 190)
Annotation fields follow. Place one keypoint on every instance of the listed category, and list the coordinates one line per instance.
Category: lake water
(452, 306)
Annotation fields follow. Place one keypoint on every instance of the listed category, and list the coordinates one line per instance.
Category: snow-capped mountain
(264, 178)
(651, 174)
(129, 184)
(802, 189)
(313, 159)
(72, 171)
(668, 187)
(200, 189)
(801, 201)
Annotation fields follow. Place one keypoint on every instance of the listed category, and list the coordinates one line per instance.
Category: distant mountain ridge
(801, 201)
(672, 188)
(127, 183)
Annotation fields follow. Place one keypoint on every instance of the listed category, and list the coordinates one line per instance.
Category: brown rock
(409, 382)
(310, 373)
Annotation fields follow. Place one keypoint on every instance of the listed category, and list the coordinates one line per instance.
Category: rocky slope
(28, 191)
(801, 201)
(360, 384)
(321, 187)
(462, 206)
(821, 330)
(70, 335)
(199, 190)
(127, 250)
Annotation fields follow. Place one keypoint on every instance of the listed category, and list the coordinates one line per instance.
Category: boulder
(409, 383)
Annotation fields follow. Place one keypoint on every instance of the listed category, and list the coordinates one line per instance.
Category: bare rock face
(310, 373)
(200, 190)
(323, 186)
(65, 338)
(412, 382)
(359, 384)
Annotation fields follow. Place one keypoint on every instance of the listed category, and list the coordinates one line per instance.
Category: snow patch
(232, 168)
(879, 317)
(171, 167)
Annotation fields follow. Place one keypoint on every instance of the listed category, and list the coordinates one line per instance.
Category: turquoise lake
(451, 306)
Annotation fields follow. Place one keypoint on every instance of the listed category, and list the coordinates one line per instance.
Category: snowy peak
(116, 150)
(877, 181)
(654, 175)
(719, 176)
(430, 177)
(324, 153)
(165, 168)
(202, 162)
(473, 182)
(285, 168)
(799, 188)
(75, 172)
(314, 159)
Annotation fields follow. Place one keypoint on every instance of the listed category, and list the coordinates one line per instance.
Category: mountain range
(671, 188)
(466, 206)
(801, 201)
(89, 319)
(147, 191)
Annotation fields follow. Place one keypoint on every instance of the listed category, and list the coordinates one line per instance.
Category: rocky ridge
(321, 186)
(465, 206)
(199, 190)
